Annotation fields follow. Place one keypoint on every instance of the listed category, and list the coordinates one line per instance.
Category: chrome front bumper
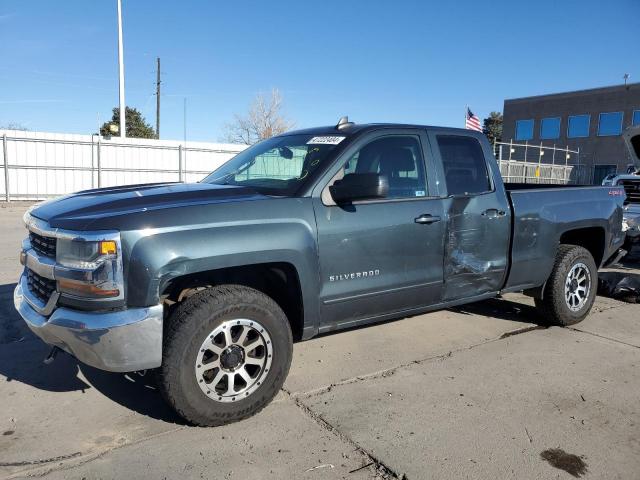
(117, 341)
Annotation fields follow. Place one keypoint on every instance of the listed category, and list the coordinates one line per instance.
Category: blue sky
(397, 61)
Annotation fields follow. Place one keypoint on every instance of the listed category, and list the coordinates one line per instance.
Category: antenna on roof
(626, 78)
(344, 123)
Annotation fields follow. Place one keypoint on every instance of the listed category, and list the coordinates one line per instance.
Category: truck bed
(542, 211)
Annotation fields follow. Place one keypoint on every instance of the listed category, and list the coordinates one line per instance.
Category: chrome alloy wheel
(234, 360)
(577, 287)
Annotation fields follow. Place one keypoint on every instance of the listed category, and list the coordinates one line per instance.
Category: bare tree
(265, 119)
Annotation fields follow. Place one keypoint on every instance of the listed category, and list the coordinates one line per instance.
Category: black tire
(188, 327)
(554, 305)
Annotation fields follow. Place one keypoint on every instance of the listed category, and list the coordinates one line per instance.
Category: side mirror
(359, 186)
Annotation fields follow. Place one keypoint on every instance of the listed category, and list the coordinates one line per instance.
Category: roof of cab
(358, 128)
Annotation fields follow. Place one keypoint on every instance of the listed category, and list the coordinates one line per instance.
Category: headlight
(88, 269)
(83, 254)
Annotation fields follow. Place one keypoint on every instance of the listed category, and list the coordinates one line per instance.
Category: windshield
(276, 166)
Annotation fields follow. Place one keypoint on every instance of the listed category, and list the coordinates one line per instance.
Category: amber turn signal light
(107, 247)
(85, 289)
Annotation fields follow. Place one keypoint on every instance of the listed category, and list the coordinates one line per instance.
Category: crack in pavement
(83, 459)
(24, 463)
(392, 370)
(520, 331)
(606, 308)
(615, 340)
(381, 469)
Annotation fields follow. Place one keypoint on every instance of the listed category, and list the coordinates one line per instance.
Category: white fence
(530, 163)
(515, 171)
(38, 165)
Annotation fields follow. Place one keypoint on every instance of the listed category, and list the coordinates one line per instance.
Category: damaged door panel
(475, 258)
(479, 228)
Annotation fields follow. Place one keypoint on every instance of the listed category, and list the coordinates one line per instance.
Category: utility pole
(158, 99)
(123, 125)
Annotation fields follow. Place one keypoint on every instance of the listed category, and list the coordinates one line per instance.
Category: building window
(578, 126)
(550, 127)
(524, 129)
(636, 117)
(610, 124)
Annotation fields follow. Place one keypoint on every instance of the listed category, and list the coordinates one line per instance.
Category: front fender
(156, 256)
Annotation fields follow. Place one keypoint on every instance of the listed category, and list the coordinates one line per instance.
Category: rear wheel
(571, 288)
(227, 352)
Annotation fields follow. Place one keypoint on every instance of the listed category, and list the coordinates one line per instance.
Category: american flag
(472, 122)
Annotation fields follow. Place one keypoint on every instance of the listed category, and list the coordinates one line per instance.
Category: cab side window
(399, 158)
(465, 168)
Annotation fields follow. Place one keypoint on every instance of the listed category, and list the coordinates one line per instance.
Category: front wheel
(226, 354)
(571, 288)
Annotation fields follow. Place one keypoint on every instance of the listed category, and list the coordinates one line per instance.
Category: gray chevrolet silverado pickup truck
(316, 230)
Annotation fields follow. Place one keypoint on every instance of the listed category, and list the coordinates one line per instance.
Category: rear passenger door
(479, 218)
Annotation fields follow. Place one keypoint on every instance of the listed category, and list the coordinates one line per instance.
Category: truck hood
(632, 139)
(79, 210)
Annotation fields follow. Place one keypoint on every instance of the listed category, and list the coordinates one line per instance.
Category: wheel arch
(590, 238)
(278, 280)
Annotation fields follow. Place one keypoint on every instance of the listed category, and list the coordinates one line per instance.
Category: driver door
(379, 257)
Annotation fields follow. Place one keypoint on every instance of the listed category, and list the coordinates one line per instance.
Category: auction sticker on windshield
(325, 140)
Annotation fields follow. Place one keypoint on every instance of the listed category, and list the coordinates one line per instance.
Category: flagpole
(466, 108)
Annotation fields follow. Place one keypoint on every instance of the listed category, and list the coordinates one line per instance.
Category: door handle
(493, 213)
(426, 219)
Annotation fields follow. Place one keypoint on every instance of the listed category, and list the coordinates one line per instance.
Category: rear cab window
(464, 165)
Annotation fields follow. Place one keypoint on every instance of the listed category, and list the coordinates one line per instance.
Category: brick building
(589, 120)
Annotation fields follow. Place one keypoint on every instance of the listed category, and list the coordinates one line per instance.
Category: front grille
(41, 287)
(43, 245)
(632, 189)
